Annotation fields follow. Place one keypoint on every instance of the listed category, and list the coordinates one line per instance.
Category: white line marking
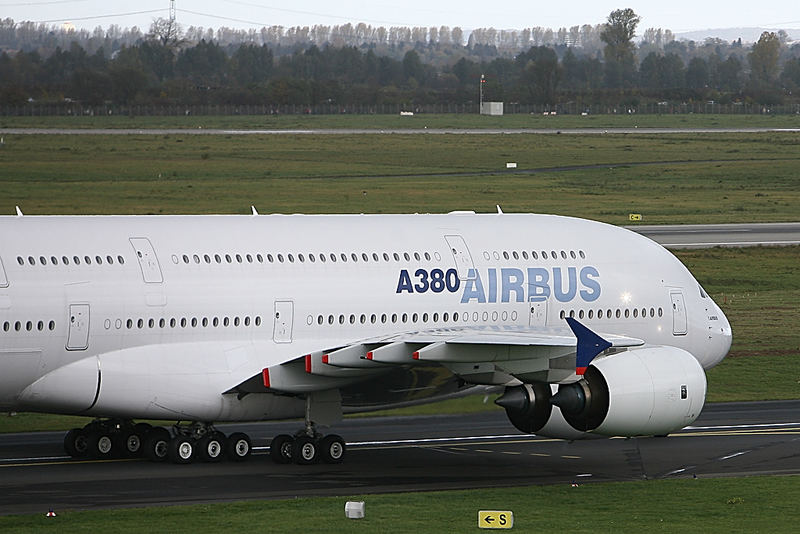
(436, 440)
(36, 459)
(734, 455)
(722, 427)
(675, 472)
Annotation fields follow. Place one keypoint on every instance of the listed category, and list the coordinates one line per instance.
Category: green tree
(764, 60)
(251, 64)
(618, 32)
(697, 73)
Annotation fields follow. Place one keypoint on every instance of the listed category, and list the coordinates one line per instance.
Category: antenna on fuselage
(19, 212)
(255, 212)
(499, 210)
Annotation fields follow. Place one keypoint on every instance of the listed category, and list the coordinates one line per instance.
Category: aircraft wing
(478, 355)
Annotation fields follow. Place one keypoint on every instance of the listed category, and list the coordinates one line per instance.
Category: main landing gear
(183, 444)
(307, 447)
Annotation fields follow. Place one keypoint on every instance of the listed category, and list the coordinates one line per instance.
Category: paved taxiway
(406, 454)
(721, 235)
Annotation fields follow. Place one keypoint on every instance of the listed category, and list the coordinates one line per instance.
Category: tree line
(589, 65)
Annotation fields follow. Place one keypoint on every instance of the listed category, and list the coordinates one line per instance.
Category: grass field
(292, 122)
(726, 505)
(679, 178)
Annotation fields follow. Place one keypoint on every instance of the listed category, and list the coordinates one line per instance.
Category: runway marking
(571, 457)
(483, 450)
(540, 454)
(511, 452)
(734, 455)
(760, 425)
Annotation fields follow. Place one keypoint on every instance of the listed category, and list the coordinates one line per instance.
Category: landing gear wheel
(132, 443)
(101, 445)
(156, 444)
(212, 447)
(181, 450)
(305, 451)
(280, 450)
(76, 443)
(239, 447)
(333, 449)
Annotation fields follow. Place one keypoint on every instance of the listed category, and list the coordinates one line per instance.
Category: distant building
(491, 108)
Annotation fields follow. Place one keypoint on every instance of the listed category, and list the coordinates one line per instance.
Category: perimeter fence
(569, 108)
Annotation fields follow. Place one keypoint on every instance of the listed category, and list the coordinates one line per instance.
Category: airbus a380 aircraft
(589, 328)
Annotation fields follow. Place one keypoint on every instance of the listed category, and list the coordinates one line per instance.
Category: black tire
(76, 443)
(182, 450)
(239, 447)
(333, 449)
(280, 450)
(305, 451)
(156, 444)
(102, 445)
(132, 443)
(211, 448)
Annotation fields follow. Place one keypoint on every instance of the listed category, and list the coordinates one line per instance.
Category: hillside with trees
(361, 68)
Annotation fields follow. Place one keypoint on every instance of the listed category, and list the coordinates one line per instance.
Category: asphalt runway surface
(398, 454)
(374, 131)
(722, 235)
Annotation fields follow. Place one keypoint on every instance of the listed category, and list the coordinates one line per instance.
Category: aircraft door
(284, 319)
(679, 322)
(3, 278)
(462, 257)
(148, 261)
(78, 338)
(538, 313)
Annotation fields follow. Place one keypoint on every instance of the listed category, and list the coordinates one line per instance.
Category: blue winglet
(589, 345)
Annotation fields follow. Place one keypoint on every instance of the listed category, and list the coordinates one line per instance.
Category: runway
(377, 131)
(397, 454)
(721, 235)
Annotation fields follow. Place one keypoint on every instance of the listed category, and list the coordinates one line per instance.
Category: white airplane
(588, 329)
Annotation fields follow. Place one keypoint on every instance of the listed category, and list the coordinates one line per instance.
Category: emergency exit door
(78, 338)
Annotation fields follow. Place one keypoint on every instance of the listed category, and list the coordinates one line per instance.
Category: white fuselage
(269, 289)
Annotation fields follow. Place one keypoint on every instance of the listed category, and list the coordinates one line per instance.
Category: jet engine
(643, 391)
(529, 409)
(646, 391)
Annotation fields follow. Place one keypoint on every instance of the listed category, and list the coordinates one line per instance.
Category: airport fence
(509, 108)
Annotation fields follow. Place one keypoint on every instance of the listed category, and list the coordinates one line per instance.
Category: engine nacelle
(644, 391)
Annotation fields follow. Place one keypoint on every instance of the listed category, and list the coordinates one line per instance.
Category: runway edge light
(354, 509)
(495, 519)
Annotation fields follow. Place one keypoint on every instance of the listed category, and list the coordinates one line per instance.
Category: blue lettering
(539, 288)
(422, 286)
(404, 283)
(492, 285)
(452, 281)
(592, 291)
(512, 280)
(473, 289)
(558, 284)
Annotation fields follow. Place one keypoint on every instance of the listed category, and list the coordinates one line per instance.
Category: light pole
(480, 105)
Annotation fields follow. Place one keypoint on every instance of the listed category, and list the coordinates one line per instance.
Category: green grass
(685, 177)
(756, 504)
(759, 291)
(396, 121)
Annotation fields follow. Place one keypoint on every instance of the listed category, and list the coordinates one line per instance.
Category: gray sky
(681, 15)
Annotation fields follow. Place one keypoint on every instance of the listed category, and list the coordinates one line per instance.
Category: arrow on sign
(489, 519)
